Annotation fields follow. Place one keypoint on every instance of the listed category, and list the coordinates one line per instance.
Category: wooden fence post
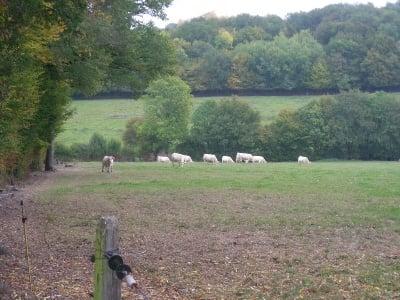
(107, 286)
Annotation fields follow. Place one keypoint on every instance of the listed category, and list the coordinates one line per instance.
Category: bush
(80, 151)
(62, 152)
(97, 147)
(114, 147)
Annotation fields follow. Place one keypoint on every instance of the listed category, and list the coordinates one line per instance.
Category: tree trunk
(49, 160)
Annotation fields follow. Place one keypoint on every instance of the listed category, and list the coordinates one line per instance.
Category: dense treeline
(51, 49)
(338, 47)
(349, 125)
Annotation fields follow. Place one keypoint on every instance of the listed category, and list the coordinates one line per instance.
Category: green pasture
(327, 230)
(322, 193)
(109, 117)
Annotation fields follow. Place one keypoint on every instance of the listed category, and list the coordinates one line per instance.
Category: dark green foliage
(224, 128)
(381, 63)
(365, 126)
(145, 55)
(212, 71)
(50, 48)
(63, 152)
(97, 147)
(80, 151)
(132, 139)
(167, 108)
(201, 133)
(286, 138)
(199, 29)
(348, 47)
(351, 125)
(114, 147)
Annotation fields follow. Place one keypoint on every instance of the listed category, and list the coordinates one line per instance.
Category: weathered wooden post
(107, 286)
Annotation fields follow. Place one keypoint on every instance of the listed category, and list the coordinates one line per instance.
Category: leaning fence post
(106, 284)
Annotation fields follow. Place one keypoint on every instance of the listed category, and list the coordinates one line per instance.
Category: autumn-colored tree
(28, 29)
(51, 48)
(224, 39)
(319, 76)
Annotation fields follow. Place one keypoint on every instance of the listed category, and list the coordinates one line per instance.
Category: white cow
(243, 157)
(177, 158)
(258, 159)
(227, 159)
(108, 162)
(187, 159)
(210, 158)
(303, 160)
(163, 159)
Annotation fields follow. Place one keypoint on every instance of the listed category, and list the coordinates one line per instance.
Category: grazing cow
(163, 159)
(243, 157)
(258, 159)
(177, 158)
(210, 158)
(227, 159)
(108, 162)
(303, 160)
(187, 159)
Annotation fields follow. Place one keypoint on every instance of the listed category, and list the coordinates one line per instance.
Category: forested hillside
(349, 125)
(338, 47)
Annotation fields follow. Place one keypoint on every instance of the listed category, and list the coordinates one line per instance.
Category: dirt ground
(204, 264)
(38, 261)
(30, 266)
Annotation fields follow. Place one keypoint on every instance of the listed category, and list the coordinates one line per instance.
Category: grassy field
(328, 230)
(108, 117)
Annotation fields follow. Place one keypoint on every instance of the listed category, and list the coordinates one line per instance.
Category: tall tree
(28, 29)
(198, 29)
(380, 66)
(250, 34)
(204, 117)
(118, 55)
(214, 70)
(319, 76)
(226, 127)
(286, 138)
(167, 107)
(48, 47)
(283, 63)
(223, 40)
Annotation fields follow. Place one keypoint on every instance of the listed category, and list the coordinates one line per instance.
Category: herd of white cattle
(182, 159)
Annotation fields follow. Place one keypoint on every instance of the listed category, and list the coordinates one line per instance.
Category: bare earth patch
(190, 262)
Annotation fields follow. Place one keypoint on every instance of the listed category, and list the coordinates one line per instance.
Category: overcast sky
(188, 9)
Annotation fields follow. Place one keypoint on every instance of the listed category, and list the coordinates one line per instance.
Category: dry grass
(274, 231)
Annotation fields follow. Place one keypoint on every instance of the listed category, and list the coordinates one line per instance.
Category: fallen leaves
(189, 263)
